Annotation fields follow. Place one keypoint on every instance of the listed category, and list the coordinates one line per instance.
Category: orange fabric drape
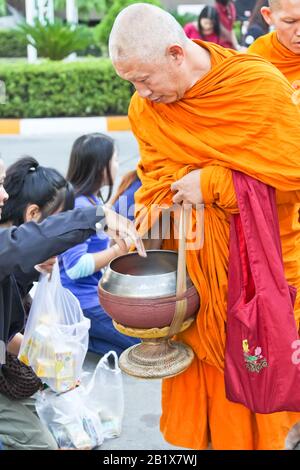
(271, 49)
(288, 63)
(239, 116)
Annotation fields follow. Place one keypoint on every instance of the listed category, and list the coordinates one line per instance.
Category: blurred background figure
(257, 26)
(227, 14)
(207, 28)
(244, 9)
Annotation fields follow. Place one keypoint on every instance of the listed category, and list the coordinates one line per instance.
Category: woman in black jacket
(21, 248)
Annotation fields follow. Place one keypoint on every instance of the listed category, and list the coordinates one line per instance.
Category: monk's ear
(267, 15)
(176, 53)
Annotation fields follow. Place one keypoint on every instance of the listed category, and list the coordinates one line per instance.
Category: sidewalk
(63, 125)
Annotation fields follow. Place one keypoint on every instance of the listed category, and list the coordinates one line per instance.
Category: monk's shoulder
(136, 105)
(253, 67)
(262, 46)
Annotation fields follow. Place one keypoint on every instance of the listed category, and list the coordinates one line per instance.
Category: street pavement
(55, 151)
(141, 416)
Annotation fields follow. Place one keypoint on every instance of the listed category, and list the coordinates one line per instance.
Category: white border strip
(55, 126)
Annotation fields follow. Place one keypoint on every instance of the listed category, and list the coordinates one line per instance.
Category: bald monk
(200, 111)
(282, 46)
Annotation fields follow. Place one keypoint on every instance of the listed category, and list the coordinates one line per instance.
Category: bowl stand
(157, 356)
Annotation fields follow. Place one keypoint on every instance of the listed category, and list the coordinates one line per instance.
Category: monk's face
(159, 82)
(285, 17)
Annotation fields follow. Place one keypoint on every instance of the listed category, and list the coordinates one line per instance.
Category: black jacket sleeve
(25, 280)
(23, 247)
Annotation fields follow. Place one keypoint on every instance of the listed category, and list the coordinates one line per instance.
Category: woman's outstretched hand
(121, 229)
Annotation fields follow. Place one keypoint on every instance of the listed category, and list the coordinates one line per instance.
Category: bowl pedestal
(157, 356)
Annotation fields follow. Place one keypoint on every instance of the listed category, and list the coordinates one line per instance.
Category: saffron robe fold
(237, 117)
(271, 49)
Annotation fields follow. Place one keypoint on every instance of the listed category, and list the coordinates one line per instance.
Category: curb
(54, 126)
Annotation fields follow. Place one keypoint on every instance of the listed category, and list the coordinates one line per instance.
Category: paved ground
(142, 412)
(142, 397)
(55, 151)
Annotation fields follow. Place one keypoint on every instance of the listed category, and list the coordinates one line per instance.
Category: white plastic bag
(56, 335)
(104, 395)
(83, 417)
(71, 423)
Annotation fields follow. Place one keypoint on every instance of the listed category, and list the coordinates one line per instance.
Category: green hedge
(12, 43)
(85, 88)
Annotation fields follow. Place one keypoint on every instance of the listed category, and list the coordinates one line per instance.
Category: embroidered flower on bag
(255, 362)
(257, 352)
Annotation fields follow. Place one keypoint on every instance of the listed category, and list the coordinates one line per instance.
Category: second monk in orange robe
(201, 111)
(282, 46)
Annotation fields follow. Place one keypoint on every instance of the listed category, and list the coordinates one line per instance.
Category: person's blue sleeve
(84, 267)
(124, 205)
(77, 262)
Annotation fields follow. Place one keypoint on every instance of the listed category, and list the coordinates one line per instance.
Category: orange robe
(288, 63)
(239, 116)
(271, 49)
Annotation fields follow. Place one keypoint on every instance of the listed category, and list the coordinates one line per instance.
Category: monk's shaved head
(150, 49)
(144, 31)
(274, 4)
(279, 4)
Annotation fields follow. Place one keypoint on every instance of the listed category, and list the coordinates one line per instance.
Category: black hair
(257, 18)
(224, 2)
(90, 160)
(27, 182)
(212, 14)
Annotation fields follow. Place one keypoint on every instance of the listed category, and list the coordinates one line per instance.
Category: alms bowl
(141, 292)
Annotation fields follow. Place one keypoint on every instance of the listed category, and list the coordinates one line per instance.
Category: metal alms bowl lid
(131, 275)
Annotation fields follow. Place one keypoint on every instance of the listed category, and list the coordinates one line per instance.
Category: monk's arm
(217, 188)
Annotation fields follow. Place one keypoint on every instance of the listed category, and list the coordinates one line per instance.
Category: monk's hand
(188, 189)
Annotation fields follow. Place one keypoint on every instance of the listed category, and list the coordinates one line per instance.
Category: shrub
(102, 31)
(3, 9)
(92, 48)
(56, 40)
(85, 7)
(12, 43)
(84, 88)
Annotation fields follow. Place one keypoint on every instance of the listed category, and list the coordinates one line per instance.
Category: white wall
(172, 4)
